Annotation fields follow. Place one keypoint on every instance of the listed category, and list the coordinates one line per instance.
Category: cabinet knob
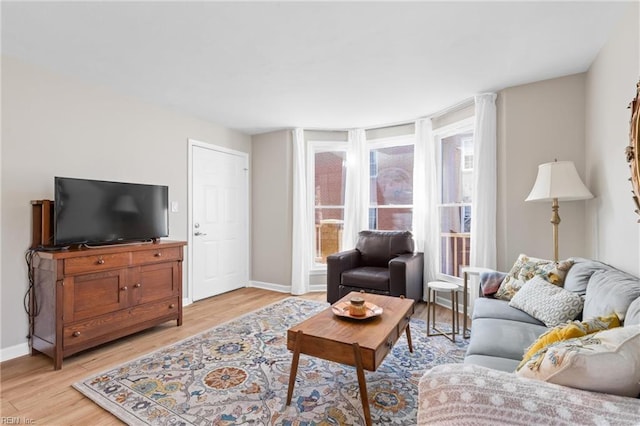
(100, 261)
(76, 334)
(158, 254)
(171, 306)
(124, 288)
(137, 285)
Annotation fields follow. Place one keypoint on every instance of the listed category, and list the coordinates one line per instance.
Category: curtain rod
(456, 107)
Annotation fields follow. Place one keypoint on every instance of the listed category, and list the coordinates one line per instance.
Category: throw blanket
(490, 282)
(469, 394)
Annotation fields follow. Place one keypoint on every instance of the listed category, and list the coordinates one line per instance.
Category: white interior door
(219, 221)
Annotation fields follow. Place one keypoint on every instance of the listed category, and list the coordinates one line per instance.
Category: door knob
(198, 233)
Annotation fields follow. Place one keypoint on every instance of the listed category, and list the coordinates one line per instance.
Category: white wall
(271, 200)
(57, 126)
(613, 234)
(537, 123)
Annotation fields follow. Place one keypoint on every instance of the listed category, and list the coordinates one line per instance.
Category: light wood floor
(31, 391)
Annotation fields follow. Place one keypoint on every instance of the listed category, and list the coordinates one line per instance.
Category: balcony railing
(455, 247)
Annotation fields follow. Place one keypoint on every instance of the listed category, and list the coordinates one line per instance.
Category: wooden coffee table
(359, 343)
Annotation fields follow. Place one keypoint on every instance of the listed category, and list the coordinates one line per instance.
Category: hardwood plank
(31, 389)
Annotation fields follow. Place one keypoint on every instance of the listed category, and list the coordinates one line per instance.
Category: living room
(56, 124)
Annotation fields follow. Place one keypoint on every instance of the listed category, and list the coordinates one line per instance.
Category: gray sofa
(500, 333)
(484, 391)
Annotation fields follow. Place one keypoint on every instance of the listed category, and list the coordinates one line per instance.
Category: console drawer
(120, 323)
(95, 263)
(157, 255)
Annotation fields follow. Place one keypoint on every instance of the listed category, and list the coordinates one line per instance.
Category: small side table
(433, 287)
(466, 271)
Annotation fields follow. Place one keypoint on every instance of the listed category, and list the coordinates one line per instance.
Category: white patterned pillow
(607, 361)
(546, 302)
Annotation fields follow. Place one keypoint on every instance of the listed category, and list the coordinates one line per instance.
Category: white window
(391, 183)
(455, 177)
(327, 166)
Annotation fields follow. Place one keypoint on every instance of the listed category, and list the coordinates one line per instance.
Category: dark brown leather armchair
(383, 262)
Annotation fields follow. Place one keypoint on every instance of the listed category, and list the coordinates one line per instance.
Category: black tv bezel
(105, 242)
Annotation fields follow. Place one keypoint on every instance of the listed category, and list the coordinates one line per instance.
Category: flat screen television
(101, 212)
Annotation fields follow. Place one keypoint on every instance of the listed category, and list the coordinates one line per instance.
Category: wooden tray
(341, 309)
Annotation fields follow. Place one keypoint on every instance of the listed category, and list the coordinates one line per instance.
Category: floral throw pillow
(525, 268)
(607, 361)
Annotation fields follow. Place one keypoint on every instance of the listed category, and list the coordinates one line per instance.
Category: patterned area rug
(238, 372)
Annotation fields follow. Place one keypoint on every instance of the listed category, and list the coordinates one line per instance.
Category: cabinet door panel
(86, 296)
(155, 282)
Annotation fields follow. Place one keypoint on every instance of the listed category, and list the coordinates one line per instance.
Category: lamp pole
(555, 220)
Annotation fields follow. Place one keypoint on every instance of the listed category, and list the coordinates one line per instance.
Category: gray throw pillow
(610, 292)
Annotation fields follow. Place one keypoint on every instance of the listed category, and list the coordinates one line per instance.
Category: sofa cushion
(633, 313)
(578, 276)
(493, 308)
(607, 361)
(368, 277)
(610, 291)
(502, 338)
(546, 302)
(377, 248)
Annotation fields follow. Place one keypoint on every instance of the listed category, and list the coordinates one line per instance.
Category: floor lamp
(558, 181)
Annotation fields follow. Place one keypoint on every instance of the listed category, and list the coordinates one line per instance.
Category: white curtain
(425, 198)
(302, 233)
(483, 210)
(356, 197)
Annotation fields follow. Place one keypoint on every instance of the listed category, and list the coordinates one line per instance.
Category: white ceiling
(270, 65)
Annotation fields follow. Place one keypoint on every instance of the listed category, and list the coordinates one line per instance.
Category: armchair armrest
(447, 393)
(405, 275)
(337, 263)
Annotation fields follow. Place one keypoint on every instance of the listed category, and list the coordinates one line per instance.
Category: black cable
(30, 300)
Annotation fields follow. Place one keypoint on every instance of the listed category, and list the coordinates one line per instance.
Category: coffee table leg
(294, 366)
(363, 385)
(408, 331)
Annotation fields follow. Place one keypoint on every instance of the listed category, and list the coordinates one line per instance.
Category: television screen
(93, 211)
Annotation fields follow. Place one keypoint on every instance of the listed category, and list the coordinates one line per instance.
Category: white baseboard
(317, 287)
(281, 288)
(14, 352)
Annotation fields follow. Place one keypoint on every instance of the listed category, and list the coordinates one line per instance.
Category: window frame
(314, 147)
(461, 126)
(389, 142)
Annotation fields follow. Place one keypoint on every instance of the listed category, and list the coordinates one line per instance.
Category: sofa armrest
(405, 275)
(471, 394)
(337, 263)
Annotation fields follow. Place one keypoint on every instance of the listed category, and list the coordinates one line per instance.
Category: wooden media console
(83, 297)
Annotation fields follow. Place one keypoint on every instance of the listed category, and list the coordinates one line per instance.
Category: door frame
(195, 143)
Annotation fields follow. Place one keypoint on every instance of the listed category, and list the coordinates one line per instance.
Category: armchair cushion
(367, 277)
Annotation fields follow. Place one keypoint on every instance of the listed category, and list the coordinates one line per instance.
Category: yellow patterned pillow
(568, 331)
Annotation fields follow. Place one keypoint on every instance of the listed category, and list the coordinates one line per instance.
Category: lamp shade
(560, 180)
